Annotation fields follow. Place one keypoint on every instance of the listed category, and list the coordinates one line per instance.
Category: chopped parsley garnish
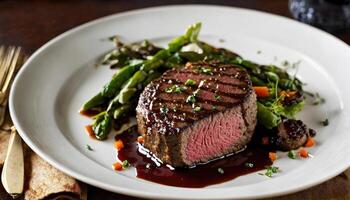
(197, 109)
(174, 109)
(217, 97)
(204, 70)
(270, 171)
(292, 154)
(249, 165)
(285, 63)
(88, 147)
(296, 64)
(190, 82)
(221, 171)
(318, 99)
(175, 89)
(191, 99)
(325, 122)
(214, 107)
(125, 164)
(309, 93)
(164, 110)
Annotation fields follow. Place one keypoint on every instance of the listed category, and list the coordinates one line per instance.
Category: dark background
(30, 24)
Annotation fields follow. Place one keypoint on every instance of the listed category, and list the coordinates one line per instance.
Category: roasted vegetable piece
(129, 80)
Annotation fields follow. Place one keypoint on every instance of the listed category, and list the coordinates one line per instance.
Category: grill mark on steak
(218, 88)
(157, 97)
(186, 111)
(180, 99)
(156, 114)
(224, 79)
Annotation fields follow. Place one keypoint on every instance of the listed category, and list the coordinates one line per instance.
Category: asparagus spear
(129, 78)
(112, 87)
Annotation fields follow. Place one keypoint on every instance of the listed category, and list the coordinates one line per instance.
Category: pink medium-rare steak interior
(210, 137)
(187, 124)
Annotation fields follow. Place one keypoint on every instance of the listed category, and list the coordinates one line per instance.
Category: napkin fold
(42, 181)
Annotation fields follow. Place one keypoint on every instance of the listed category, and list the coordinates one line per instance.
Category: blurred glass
(330, 15)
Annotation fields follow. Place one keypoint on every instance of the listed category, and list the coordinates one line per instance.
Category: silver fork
(12, 176)
(8, 61)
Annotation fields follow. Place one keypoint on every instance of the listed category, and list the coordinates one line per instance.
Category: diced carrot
(303, 153)
(265, 141)
(272, 156)
(261, 91)
(310, 142)
(140, 139)
(117, 166)
(118, 144)
(90, 131)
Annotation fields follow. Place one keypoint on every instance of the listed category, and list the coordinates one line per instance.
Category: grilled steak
(292, 134)
(197, 113)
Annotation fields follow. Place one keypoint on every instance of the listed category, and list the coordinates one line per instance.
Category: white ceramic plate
(60, 76)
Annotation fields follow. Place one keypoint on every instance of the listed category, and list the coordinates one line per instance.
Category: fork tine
(2, 61)
(6, 64)
(11, 69)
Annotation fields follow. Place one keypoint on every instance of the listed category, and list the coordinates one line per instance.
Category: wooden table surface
(30, 24)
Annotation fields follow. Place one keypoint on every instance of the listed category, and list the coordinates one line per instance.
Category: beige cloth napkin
(42, 181)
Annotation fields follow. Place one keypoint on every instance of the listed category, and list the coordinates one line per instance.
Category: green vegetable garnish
(191, 99)
(217, 97)
(164, 110)
(318, 99)
(204, 70)
(88, 147)
(143, 62)
(267, 116)
(292, 154)
(270, 171)
(175, 89)
(190, 82)
(325, 122)
(125, 164)
(126, 84)
(285, 63)
(197, 109)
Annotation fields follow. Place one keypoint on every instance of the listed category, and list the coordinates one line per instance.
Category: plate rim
(132, 192)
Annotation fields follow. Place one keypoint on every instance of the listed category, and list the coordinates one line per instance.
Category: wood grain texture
(30, 24)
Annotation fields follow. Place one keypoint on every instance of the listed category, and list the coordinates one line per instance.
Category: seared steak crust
(194, 105)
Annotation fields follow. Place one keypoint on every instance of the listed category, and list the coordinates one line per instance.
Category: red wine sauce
(232, 166)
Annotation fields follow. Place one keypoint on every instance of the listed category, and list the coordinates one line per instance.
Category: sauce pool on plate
(252, 159)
